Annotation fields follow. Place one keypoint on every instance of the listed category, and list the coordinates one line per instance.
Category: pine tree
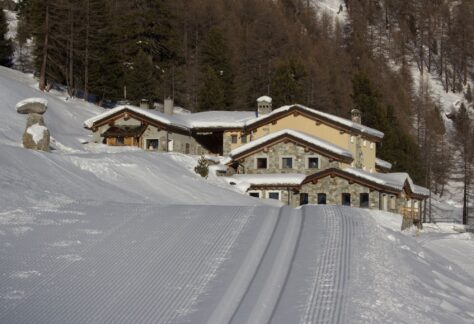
(468, 94)
(212, 92)
(288, 83)
(398, 147)
(202, 168)
(5, 44)
(140, 80)
(465, 140)
(218, 78)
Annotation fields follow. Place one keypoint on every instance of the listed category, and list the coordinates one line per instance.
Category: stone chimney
(168, 106)
(264, 106)
(144, 104)
(356, 116)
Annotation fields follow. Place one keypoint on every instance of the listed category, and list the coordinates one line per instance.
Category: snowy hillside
(334, 8)
(90, 233)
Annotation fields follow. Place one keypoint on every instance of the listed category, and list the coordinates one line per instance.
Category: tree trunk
(86, 55)
(71, 54)
(42, 80)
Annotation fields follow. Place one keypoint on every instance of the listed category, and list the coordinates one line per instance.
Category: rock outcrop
(32, 106)
(36, 135)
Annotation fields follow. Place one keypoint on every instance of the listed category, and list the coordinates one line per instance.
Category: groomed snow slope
(95, 234)
(146, 263)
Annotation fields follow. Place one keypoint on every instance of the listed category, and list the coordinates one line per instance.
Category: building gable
(317, 118)
(333, 172)
(127, 114)
(289, 138)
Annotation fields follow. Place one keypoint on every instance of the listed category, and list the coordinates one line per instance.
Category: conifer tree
(5, 44)
(288, 83)
(218, 77)
(398, 147)
(140, 80)
(464, 138)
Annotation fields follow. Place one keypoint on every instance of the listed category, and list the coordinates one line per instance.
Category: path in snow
(99, 262)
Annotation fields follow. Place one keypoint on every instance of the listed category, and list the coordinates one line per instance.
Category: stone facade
(335, 187)
(177, 142)
(274, 156)
(283, 193)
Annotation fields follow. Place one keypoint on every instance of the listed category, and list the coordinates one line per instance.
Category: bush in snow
(203, 167)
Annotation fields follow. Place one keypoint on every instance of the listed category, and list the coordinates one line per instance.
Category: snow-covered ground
(90, 233)
(335, 8)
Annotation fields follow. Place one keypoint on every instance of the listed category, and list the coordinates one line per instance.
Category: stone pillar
(36, 135)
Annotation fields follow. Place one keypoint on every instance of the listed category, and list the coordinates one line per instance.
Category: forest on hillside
(221, 54)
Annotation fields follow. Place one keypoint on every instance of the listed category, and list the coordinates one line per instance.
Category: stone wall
(274, 155)
(294, 198)
(179, 141)
(152, 132)
(335, 187)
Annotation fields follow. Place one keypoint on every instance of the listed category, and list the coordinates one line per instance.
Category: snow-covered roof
(245, 181)
(152, 114)
(383, 164)
(264, 99)
(217, 119)
(303, 136)
(345, 122)
(225, 119)
(207, 119)
(393, 180)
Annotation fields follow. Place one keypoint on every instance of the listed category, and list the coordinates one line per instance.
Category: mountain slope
(90, 233)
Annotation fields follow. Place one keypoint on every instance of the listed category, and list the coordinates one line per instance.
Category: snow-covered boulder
(36, 135)
(32, 105)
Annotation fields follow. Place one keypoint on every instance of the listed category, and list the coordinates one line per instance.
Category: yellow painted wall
(306, 125)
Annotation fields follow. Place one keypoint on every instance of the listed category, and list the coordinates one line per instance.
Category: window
(304, 199)
(243, 139)
(352, 139)
(187, 148)
(365, 143)
(408, 203)
(346, 199)
(287, 163)
(372, 146)
(313, 163)
(274, 195)
(152, 144)
(364, 200)
(255, 194)
(321, 199)
(120, 140)
(233, 139)
(392, 202)
(261, 163)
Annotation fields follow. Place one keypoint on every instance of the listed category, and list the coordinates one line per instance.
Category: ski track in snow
(325, 303)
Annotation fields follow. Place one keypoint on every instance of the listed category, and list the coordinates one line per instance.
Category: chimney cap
(264, 99)
(355, 111)
(356, 116)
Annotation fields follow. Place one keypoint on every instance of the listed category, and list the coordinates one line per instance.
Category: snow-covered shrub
(202, 168)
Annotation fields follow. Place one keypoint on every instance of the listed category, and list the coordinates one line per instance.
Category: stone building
(294, 153)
